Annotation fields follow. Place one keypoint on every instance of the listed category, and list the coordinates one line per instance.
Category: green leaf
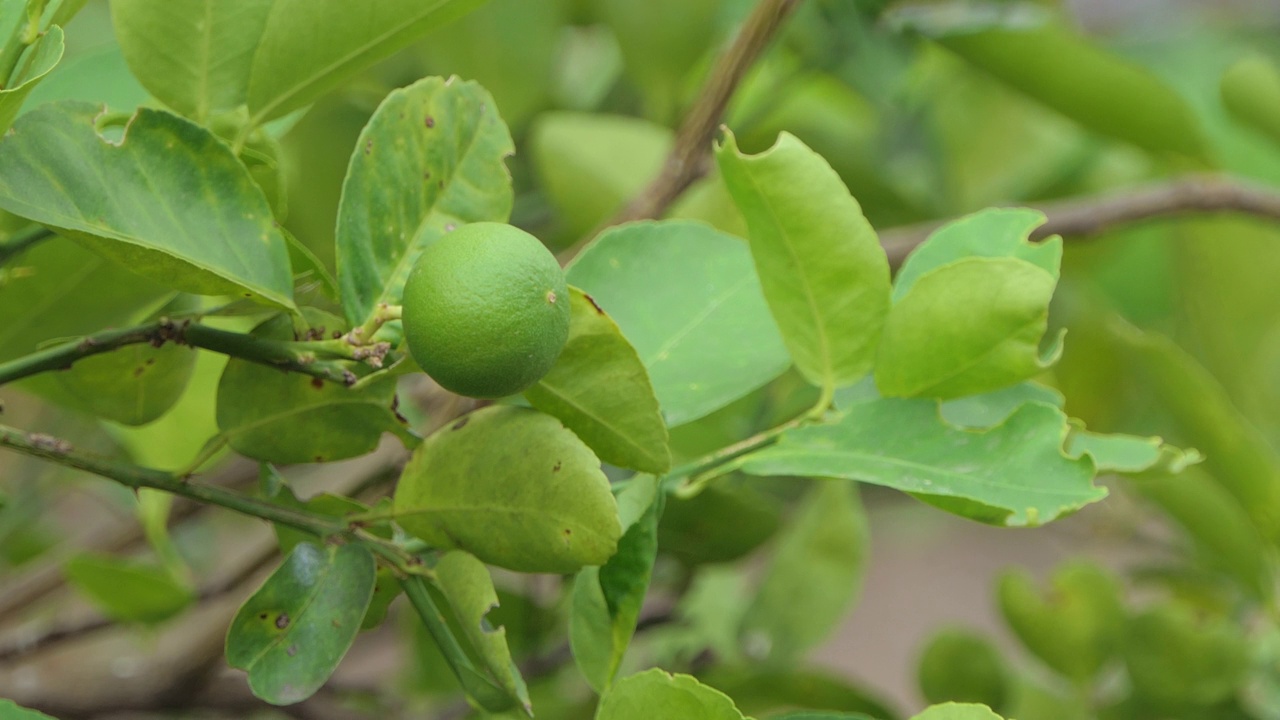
(824, 551)
(657, 694)
(962, 665)
(145, 202)
(1237, 454)
(978, 412)
(65, 10)
(1251, 91)
(193, 55)
(988, 313)
(126, 590)
(41, 59)
(717, 525)
(465, 583)
(660, 54)
(385, 590)
(511, 47)
(284, 418)
(607, 600)
(1220, 527)
(823, 716)
(134, 385)
(1074, 628)
(706, 337)
(1092, 86)
(957, 711)
(517, 469)
(291, 634)
(994, 233)
(591, 164)
(174, 440)
(1014, 474)
(1179, 657)
(821, 265)
(101, 76)
(430, 159)
(1129, 454)
(757, 690)
(309, 47)
(9, 710)
(600, 390)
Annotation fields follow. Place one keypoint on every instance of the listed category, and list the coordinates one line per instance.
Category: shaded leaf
(134, 385)
(1179, 657)
(1074, 627)
(821, 265)
(600, 390)
(193, 55)
(963, 666)
(292, 633)
(1013, 474)
(717, 525)
(1088, 84)
(590, 164)
(824, 551)
(309, 47)
(757, 690)
(145, 202)
(465, 583)
(513, 468)
(126, 590)
(282, 417)
(431, 158)
(42, 56)
(990, 409)
(688, 300)
(607, 600)
(1251, 91)
(655, 693)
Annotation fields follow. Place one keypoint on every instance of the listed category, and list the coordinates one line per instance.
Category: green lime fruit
(486, 310)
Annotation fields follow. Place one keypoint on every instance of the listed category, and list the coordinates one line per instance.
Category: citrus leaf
(1179, 657)
(1094, 87)
(756, 690)
(658, 694)
(192, 55)
(145, 202)
(100, 76)
(1014, 474)
(126, 590)
(995, 233)
(607, 599)
(9, 710)
(431, 158)
(590, 164)
(1251, 91)
(466, 585)
(285, 418)
(957, 711)
(688, 299)
(44, 54)
(962, 664)
(989, 313)
(824, 551)
(292, 633)
(600, 390)
(719, 524)
(311, 46)
(132, 386)
(513, 468)
(978, 412)
(821, 265)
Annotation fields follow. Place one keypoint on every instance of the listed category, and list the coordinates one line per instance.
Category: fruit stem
(382, 315)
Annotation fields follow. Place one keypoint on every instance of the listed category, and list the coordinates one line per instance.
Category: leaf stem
(187, 331)
(132, 476)
(21, 240)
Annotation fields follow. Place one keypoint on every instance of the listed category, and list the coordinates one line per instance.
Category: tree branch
(302, 357)
(1082, 217)
(22, 240)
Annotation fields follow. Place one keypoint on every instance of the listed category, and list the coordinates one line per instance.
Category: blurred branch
(688, 160)
(1087, 216)
(22, 240)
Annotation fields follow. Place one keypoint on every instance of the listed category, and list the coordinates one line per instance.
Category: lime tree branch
(688, 159)
(1082, 217)
(22, 240)
(136, 477)
(302, 357)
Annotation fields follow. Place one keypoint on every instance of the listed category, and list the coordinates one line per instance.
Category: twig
(688, 159)
(1092, 215)
(296, 357)
(22, 240)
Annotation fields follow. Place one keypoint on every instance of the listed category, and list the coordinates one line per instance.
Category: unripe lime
(486, 310)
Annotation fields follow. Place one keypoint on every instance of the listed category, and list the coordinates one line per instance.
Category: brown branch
(688, 159)
(1082, 217)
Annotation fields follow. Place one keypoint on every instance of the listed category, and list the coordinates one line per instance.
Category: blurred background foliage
(928, 111)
